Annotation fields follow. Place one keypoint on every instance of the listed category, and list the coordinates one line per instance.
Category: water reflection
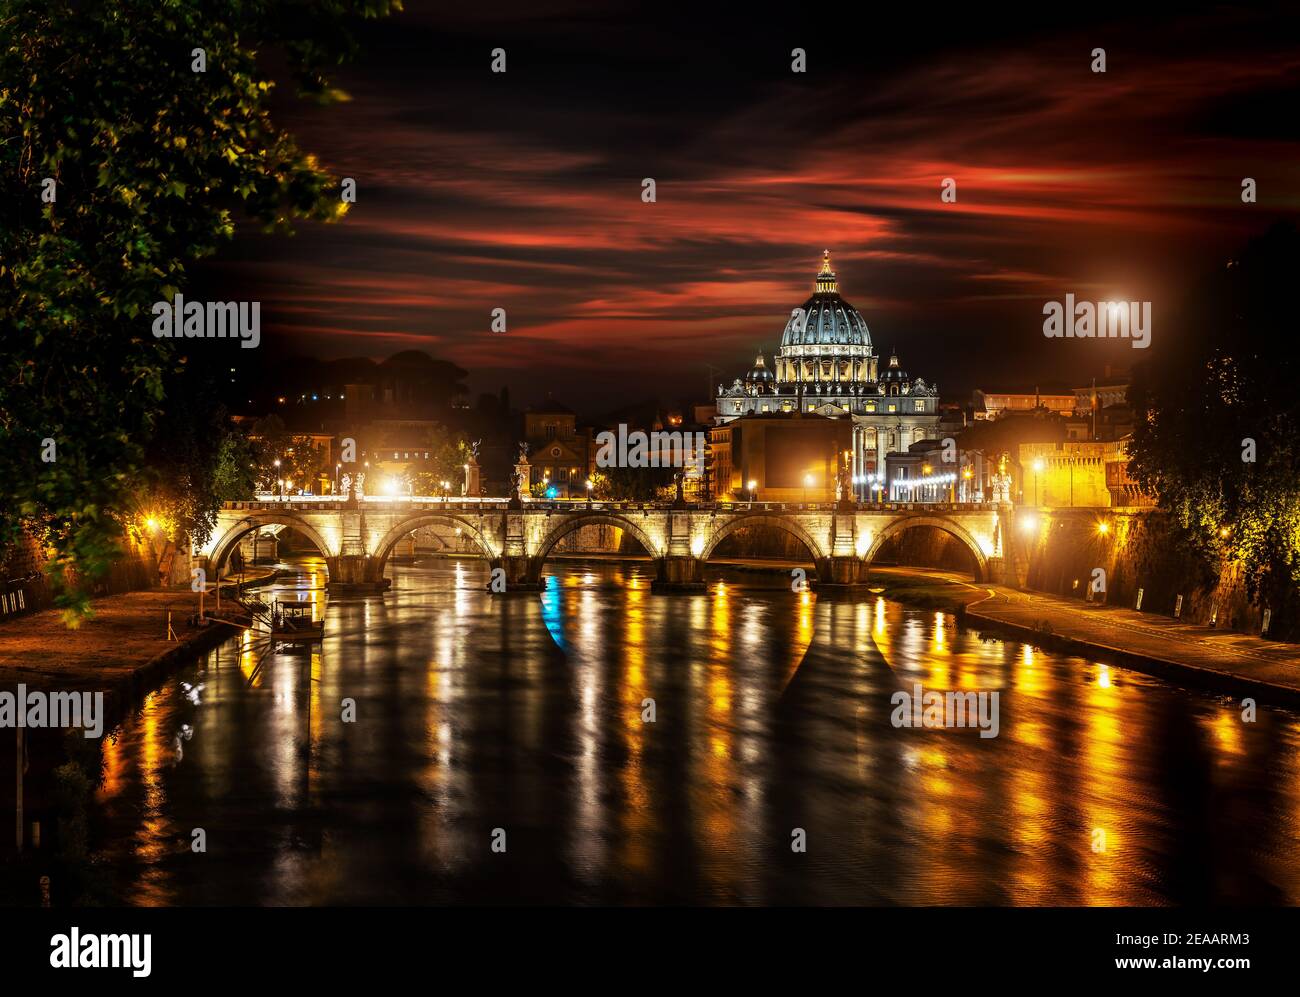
(770, 713)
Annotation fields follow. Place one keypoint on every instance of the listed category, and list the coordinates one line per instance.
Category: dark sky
(522, 190)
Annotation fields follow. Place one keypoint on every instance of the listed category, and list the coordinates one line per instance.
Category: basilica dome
(826, 319)
(760, 375)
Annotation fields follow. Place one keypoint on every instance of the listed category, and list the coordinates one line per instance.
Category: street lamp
(807, 483)
(1038, 469)
(753, 486)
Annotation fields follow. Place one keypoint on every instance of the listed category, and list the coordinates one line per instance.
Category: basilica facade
(828, 365)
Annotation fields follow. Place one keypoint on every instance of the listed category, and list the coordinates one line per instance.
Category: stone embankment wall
(1139, 549)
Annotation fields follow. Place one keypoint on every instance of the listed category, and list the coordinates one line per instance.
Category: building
(561, 455)
(780, 457)
(827, 365)
(1070, 474)
(1102, 410)
(1112, 389)
(991, 403)
(1123, 487)
(922, 475)
(394, 453)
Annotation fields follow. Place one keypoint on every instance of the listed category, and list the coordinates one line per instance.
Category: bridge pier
(356, 573)
(522, 574)
(840, 574)
(676, 573)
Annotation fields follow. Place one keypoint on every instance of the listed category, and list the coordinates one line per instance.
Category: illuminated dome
(760, 375)
(894, 372)
(826, 319)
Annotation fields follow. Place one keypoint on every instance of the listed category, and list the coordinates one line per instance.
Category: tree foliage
(449, 453)
(151, 162)
(279, 455)
(1226, 392)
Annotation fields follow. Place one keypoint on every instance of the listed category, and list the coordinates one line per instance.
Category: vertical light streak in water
(315, 676)
(712, 745)
(636, 815)
(284, 674)
(1032, 813)
(1103, 776)
(442, 779)
(751, 756)
(156, 832)
(582, 611)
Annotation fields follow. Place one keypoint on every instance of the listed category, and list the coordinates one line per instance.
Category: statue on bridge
(844, 496)
(360, 493)
(1001, 483)
(520, 479)
(347, 486)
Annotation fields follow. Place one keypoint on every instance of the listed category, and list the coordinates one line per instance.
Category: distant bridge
(356, 538)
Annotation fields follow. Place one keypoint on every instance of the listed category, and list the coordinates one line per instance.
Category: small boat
(291, 622)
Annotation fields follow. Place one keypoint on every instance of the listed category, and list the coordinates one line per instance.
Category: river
(520, 722)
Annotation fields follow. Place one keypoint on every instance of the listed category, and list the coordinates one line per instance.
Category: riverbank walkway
(1222, 659)
(118, 649)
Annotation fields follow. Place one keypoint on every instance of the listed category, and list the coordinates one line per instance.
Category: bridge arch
(949, 526)
(571, 523)
(787, 523)
(389, 540)
(255, 521)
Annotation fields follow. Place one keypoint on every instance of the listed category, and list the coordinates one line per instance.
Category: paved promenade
(120, 649)
(1232, 663)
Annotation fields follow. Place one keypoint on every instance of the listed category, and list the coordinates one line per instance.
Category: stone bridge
(356, 538)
